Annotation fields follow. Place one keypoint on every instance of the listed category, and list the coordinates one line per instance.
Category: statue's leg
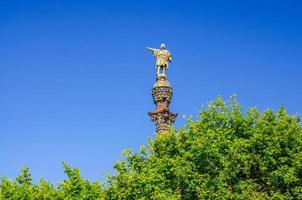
(164, 70)
(158, 68)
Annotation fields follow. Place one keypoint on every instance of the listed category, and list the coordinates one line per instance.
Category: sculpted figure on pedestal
(163, 57)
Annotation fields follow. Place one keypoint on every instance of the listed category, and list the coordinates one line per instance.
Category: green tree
(224, 154)
(77, 188)
(73, 188)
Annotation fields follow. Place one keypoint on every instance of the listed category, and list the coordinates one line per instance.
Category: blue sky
(75, 77)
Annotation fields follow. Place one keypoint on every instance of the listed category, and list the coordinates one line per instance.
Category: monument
(162, 91)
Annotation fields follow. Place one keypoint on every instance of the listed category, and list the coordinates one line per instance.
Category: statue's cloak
(163, 57)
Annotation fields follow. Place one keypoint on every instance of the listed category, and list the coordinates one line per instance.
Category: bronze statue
(163, 57)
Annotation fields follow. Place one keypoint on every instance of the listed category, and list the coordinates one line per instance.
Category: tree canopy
(224, 154)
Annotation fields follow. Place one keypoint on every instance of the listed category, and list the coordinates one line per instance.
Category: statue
(163, 57)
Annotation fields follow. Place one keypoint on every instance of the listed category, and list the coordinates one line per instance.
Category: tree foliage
(224, 154)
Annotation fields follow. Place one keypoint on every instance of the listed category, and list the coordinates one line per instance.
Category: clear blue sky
(75, 77)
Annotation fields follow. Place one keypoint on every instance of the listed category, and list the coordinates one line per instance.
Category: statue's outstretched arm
(152, 50)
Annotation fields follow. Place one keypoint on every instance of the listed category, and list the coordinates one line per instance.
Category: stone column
(162, 94)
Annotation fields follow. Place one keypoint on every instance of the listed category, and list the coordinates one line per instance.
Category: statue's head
(162, 46)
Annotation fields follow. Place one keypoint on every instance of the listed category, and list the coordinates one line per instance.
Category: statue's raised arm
(163, 57)
(150, 49)
(153, 51)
